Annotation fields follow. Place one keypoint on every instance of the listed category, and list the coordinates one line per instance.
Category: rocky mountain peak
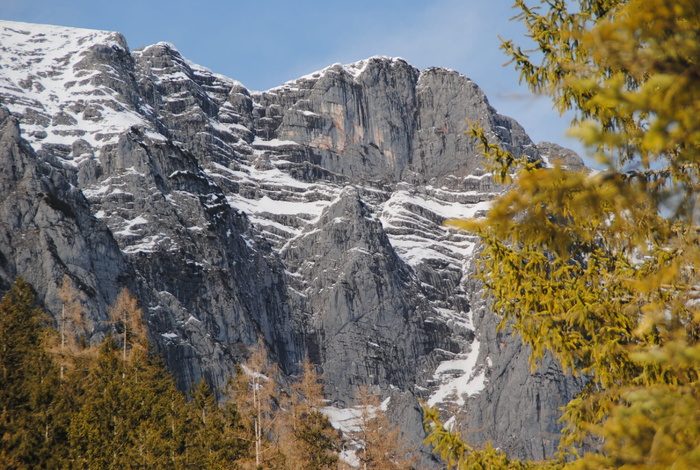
(309, 216)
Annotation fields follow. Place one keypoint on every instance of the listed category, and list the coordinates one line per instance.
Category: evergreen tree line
(70, 405)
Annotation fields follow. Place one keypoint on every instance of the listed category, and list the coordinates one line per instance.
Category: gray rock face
(47, 230)
(309, 215)
(365, 312)
(556, 154)
(384, 120)
(499, 408)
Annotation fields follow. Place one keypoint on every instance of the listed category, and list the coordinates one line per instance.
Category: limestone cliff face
(309, 215)
(383, 119)
(47, 229)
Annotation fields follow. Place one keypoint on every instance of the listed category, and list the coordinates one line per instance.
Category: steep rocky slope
(309, 215)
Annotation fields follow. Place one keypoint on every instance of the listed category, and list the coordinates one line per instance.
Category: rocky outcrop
(382, 119)
(47, 230)
(555, 154)
(365, 312)
(310, 216)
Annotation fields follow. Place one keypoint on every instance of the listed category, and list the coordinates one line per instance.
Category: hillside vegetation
(66, 404)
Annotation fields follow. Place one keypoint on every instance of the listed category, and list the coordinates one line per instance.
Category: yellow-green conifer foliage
(127, 318)
(66, 404)
(30, 430)
(459, 455)
(306, 436)
(602, 270)
(256, 394)
(70, 347)
(130, 414)
(383, 445)
(216, 431)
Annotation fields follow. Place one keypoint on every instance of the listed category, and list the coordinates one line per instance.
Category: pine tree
(601, 270)
(131, 415)
(111, 407)
(256, 397)
(307, 439)
(383, 447)
(71, 328)
(29, 429)
(127, 318)
(20, 338)
(97, 436)
(217, 431)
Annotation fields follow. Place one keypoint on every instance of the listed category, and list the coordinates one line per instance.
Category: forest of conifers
(113, 405)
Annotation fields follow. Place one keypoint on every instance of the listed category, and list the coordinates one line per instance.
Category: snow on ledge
(258, 142)
(460, 377)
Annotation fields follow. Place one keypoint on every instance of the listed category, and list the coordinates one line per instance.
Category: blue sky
(263, 43)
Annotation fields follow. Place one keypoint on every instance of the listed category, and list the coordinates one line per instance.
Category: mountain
(309, 215)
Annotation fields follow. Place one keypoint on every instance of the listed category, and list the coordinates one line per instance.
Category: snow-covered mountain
(309, 215)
